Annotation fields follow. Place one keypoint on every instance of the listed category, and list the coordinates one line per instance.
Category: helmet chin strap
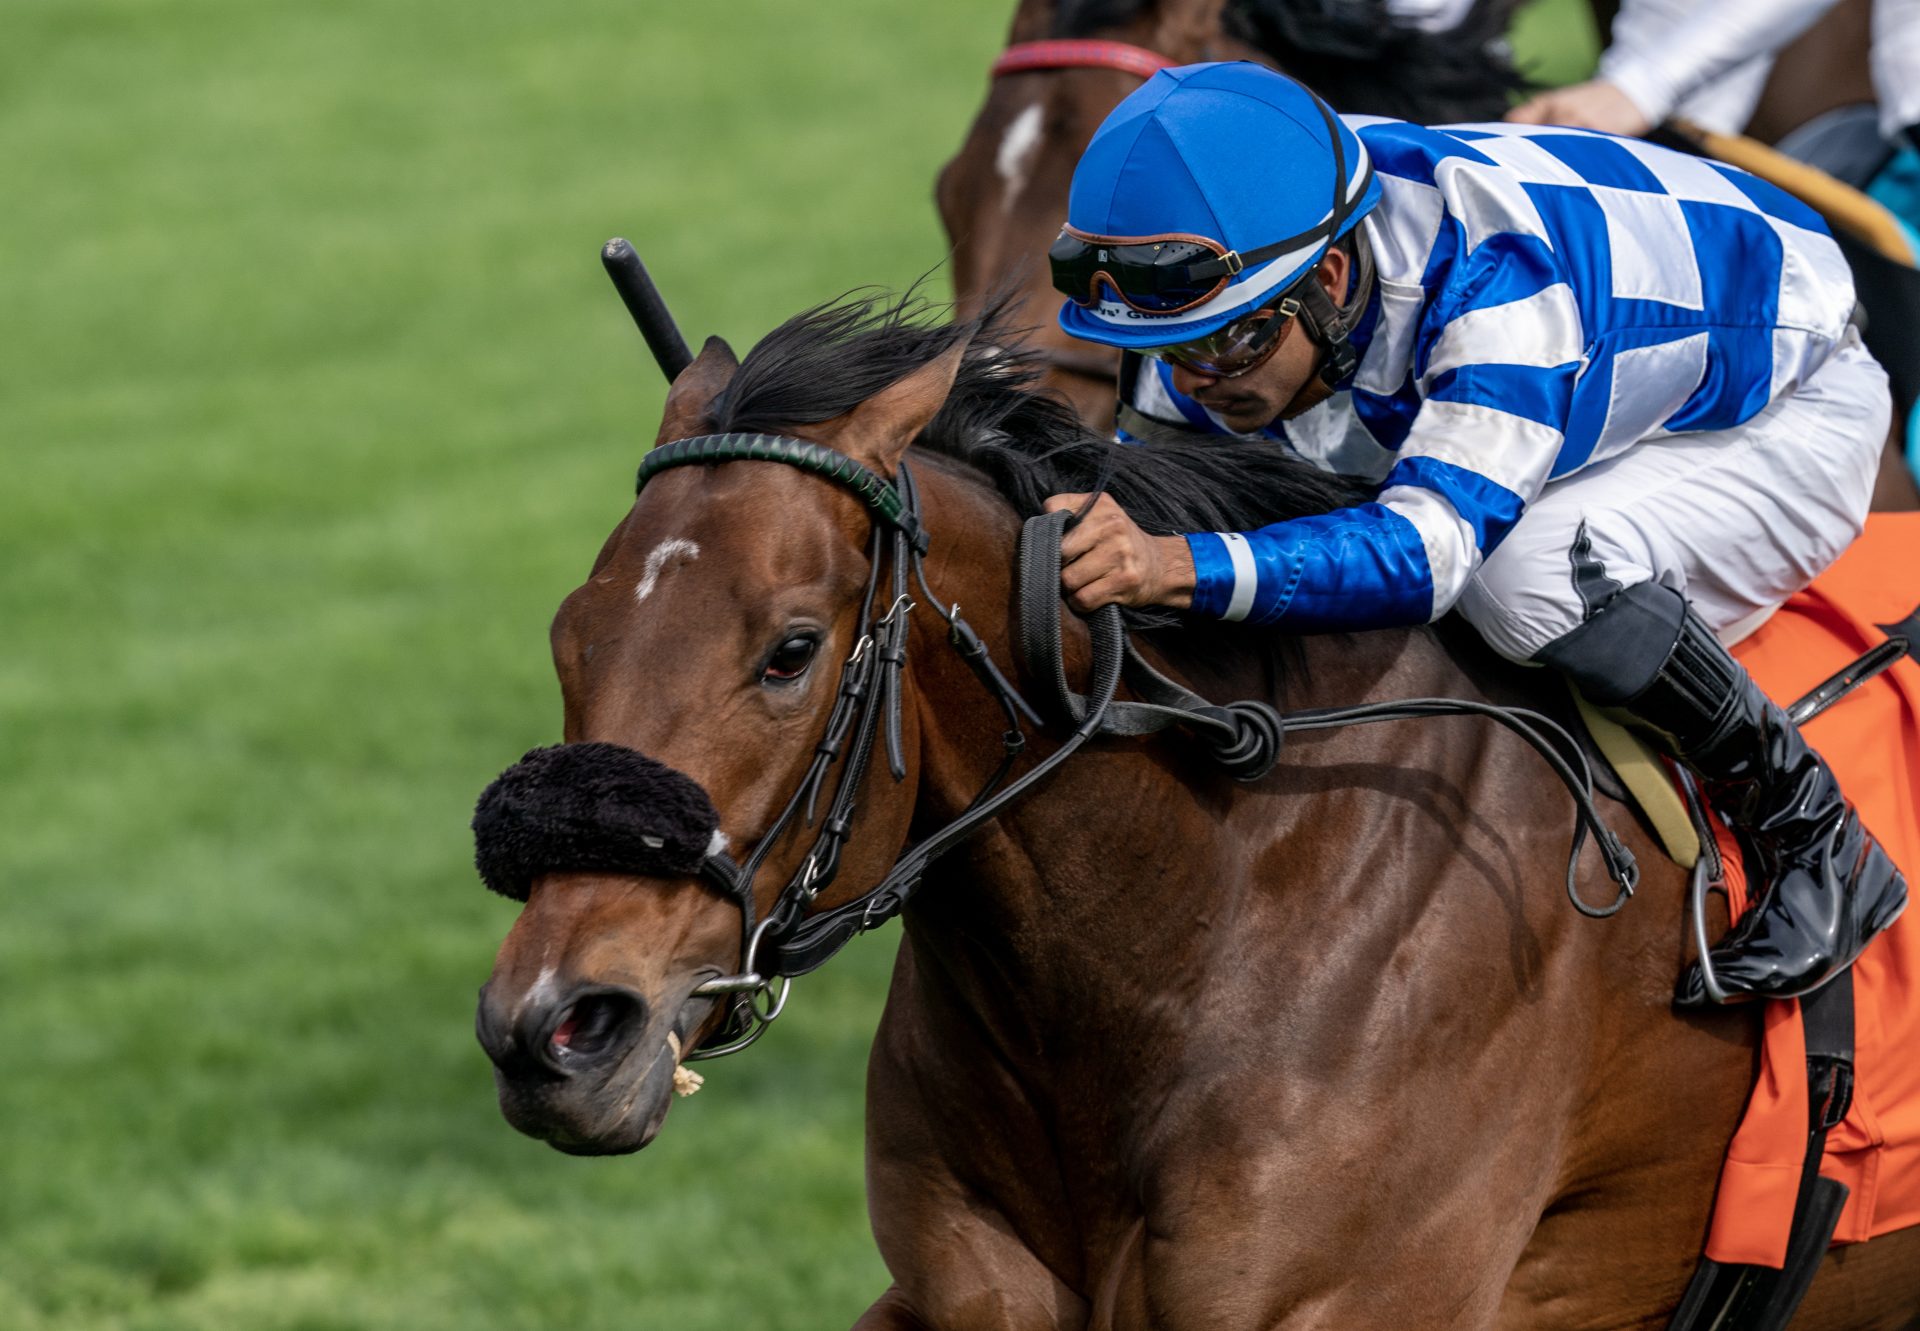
(1332, 325)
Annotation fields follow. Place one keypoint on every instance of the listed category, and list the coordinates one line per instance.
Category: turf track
(314, 402)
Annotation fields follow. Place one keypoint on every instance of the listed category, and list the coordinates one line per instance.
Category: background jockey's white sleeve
(1664, 50)
(1431, 15)
(1896, 63)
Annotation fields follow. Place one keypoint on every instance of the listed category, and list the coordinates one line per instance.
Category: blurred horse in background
(1003, 195)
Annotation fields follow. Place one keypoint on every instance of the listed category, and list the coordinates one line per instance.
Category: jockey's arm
(1896, 67)
(1480, 449)
(1503, 351)
(1663, 51)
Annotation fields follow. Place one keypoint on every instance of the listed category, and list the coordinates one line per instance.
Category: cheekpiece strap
(866, 484)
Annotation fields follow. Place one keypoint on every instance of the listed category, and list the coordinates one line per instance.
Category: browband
(868, 485)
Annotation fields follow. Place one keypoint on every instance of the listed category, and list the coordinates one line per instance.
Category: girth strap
(1758, 1298)
(1723, 1297)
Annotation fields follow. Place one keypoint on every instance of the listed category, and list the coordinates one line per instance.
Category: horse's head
(708, 637)
(1003, 195)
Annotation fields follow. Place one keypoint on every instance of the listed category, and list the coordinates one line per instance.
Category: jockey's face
(1286, 385)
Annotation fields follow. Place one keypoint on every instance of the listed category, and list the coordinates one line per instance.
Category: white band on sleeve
(1244, 576)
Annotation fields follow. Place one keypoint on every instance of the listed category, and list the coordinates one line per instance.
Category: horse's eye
(790, 659)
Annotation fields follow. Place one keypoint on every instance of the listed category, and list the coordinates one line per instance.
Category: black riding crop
(649, 311)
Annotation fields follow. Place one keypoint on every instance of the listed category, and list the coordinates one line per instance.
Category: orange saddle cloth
(1872, 740)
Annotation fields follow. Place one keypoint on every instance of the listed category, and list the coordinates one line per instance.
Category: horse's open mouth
(592, 1097)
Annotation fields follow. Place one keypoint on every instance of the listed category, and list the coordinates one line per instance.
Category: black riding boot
(1823, 887)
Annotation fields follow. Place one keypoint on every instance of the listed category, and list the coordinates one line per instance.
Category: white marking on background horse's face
(672, 550)
(1015, 158)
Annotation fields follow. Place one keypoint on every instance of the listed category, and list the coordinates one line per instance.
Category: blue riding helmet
(1230, 153)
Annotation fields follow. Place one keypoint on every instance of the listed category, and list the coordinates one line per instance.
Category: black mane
(1354, 54)
(827, 360)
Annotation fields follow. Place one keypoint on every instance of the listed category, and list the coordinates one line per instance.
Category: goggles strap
(1332, 325)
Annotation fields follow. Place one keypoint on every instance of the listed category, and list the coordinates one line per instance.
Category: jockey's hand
(1593, 105)
(1107, 560)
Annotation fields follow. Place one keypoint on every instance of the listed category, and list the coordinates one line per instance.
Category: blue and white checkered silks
(1547, 299)
(1230, 151)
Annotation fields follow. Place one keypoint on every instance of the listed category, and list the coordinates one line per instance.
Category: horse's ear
(694, 389)
(878, 431)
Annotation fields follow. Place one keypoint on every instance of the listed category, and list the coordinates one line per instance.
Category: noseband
(596, 807)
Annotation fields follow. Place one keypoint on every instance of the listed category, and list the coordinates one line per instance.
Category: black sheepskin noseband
(589, 807)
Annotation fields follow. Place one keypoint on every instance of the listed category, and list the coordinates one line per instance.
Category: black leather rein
(1244, 737)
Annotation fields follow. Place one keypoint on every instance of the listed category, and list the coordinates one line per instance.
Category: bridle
(1027, 57)
(867, 704)
(1244, 737)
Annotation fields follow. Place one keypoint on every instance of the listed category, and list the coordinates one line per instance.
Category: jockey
(1610, 395)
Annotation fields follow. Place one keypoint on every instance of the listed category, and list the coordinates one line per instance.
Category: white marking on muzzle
(673, 548)
(1015, 158)
(541, 987)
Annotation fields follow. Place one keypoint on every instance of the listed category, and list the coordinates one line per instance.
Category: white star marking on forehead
(1015, 157)
(674, 550)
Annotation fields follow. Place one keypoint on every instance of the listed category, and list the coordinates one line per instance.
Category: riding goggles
(1240, 347)
(1164, 274)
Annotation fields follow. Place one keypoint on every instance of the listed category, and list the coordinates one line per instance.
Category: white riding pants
(1735, 520)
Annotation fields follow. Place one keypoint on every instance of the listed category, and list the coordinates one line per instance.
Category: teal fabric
(1897, 189)
(1913, 441)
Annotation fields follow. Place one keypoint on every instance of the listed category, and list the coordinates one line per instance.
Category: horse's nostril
(592, 1024)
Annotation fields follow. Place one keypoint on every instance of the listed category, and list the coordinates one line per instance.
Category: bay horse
(1161, 1049)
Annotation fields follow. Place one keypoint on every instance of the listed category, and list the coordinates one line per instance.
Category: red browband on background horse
(1023, 57)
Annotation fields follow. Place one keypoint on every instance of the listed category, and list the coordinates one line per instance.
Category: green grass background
(313, 403)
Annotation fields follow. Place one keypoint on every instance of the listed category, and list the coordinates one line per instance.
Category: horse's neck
(1366, 956)
(1092, 846)
(1143, 846)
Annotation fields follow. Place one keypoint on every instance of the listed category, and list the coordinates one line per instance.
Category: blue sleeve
(1500, 350)
(1357, 568)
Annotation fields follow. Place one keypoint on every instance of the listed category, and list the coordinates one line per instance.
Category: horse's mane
(1356, 55)
(1029, 445)
(829, 359)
